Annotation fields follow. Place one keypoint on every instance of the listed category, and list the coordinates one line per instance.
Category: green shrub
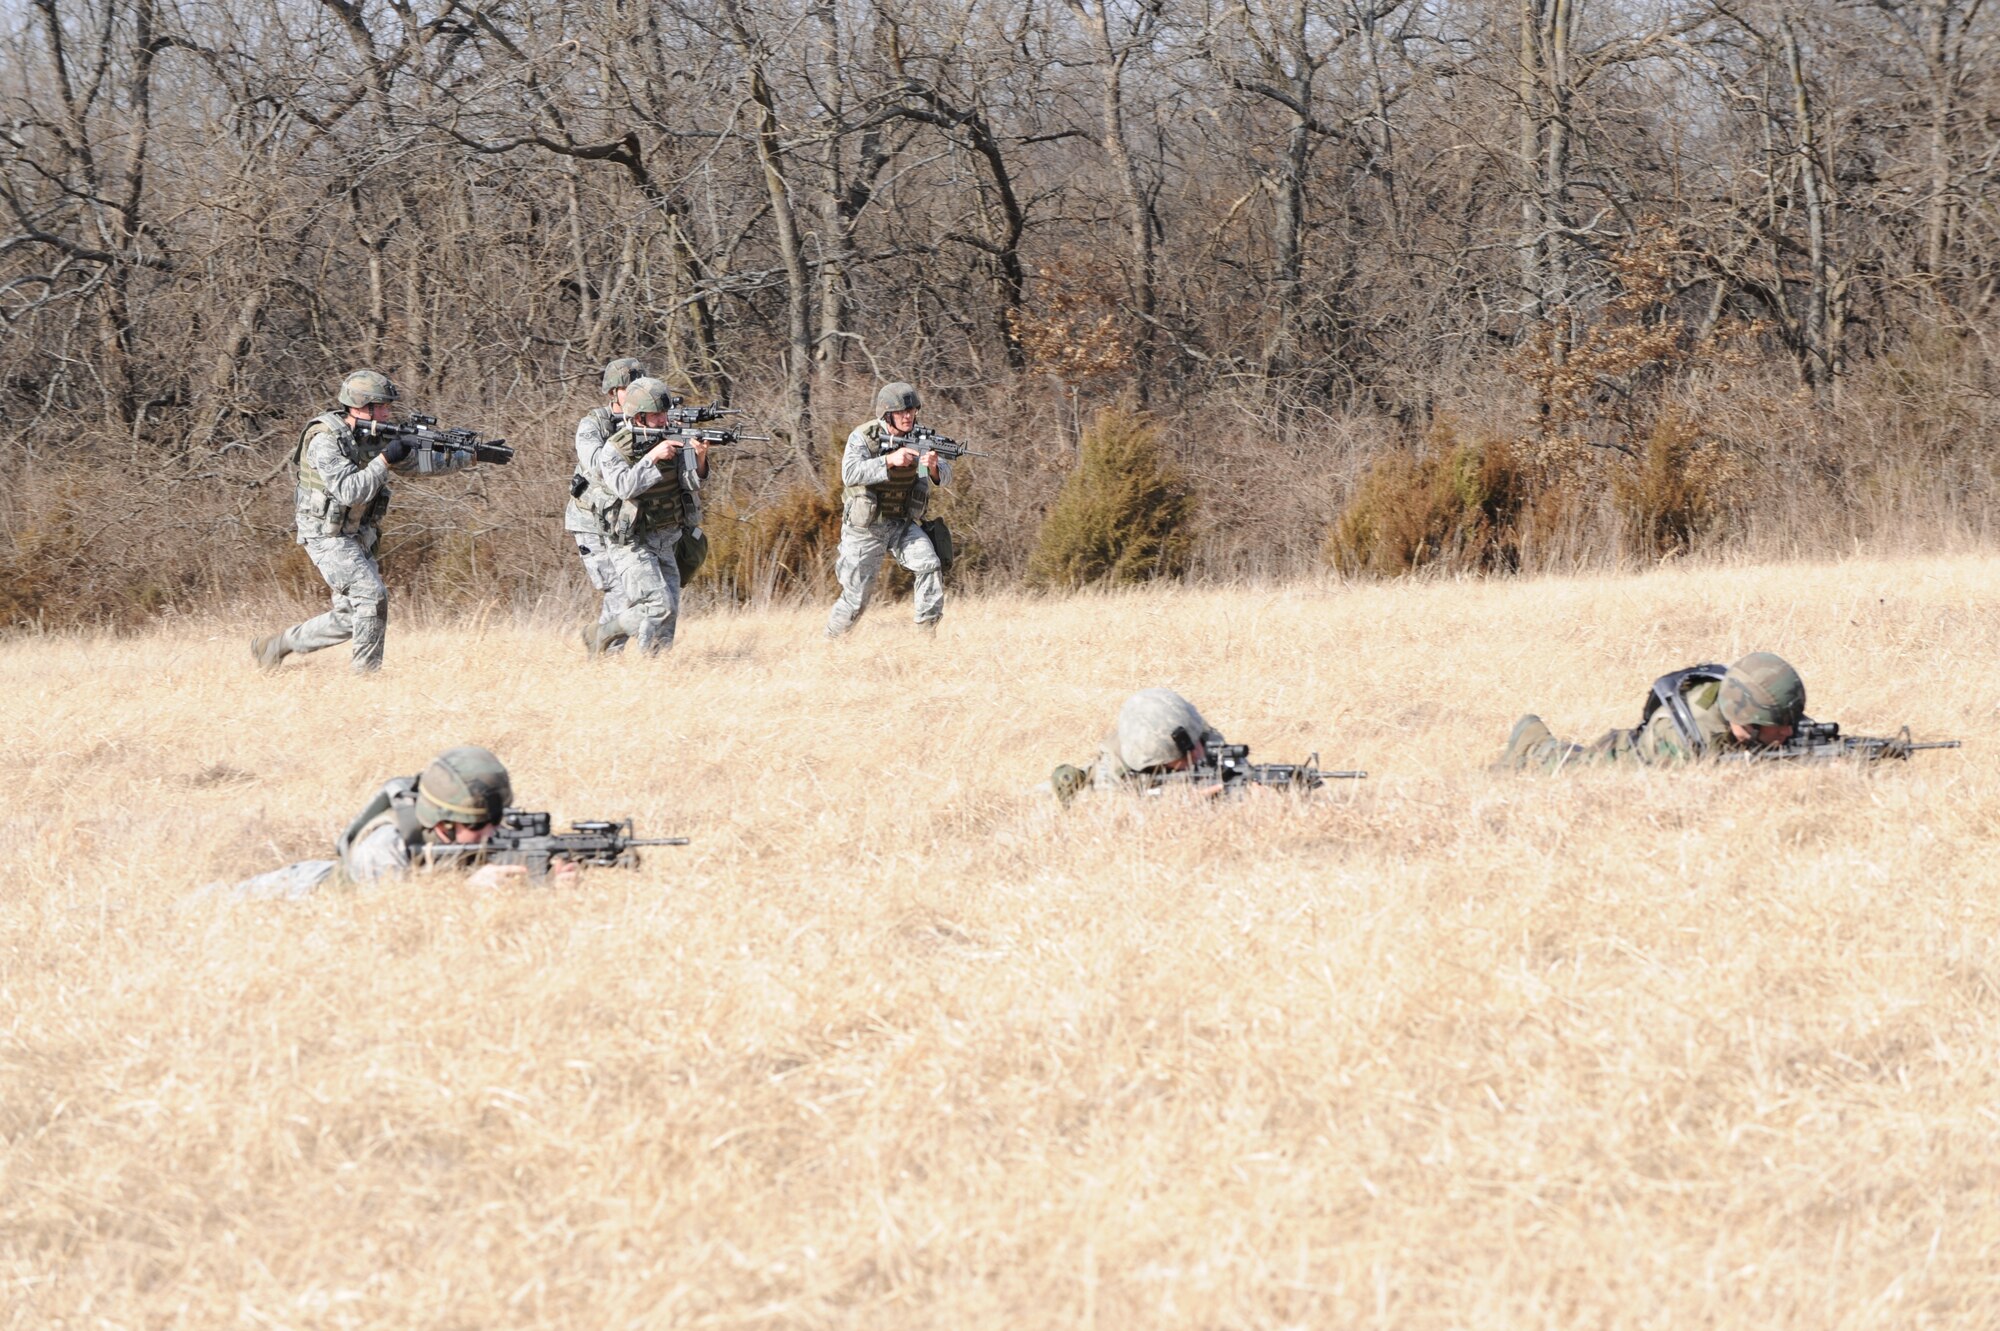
(1123, 516)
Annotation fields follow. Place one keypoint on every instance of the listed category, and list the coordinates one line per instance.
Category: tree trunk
(798, 279)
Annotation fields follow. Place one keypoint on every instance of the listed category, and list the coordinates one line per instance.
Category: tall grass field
(897, 1043)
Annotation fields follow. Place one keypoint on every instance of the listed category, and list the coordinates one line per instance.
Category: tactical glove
(395, 450)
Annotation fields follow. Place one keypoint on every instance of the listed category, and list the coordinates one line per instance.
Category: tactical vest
(398, 799)
(664, 507)
(1667, 693)
(906, 494)
(318, 512)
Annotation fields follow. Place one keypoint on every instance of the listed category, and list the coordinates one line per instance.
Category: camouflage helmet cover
(621, 373)
(896, 397)
(648, 395)
(1155, 727)
(466, 785)
(363, 387)
(1762, 690)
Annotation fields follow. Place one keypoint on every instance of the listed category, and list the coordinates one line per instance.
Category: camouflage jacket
(870, 493)
(591, 433)
(343, 489)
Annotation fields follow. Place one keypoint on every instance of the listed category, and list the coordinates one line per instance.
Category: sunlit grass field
(896, 1043)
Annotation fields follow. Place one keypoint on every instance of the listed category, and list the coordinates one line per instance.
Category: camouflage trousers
(860, 559)
(649, 581)
(603, 572)
(360, 600)
(1533, 747)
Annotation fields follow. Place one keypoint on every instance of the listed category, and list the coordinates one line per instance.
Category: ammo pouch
(691, 552)
(940, 541)
(861, 509)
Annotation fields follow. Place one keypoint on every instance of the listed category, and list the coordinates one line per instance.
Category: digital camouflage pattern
(650, 582)
(592, 432)
(342, 487)
(360, 611)
(338, 505)
(880, 517)
(466, 785)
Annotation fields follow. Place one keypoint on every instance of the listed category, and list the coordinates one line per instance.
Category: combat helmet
(896, 397)
(648, 395)
(362, 388)
(1155, 728)
(466, 785)
(1762, 690)
(621, 373)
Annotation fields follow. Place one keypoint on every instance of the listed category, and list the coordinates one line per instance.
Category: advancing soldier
(643, 495)
(456, 801)
(886, 486)
(592, 542)
(343, 490)
(1157, 734)
(1690, 714)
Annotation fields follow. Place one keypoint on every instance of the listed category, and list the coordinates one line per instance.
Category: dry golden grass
(894, 1044)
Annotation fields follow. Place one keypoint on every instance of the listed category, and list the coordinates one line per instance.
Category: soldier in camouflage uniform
(456, 801)
(1158, 733)
(592, 543)
(886, 488)
(1690, 714)
(643, 499)
(343, 491)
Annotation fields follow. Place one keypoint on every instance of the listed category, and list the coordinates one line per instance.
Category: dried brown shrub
(1678, 488)
(1458, 504)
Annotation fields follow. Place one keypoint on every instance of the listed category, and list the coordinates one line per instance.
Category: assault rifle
(645, 436)
(523, 838)
(430, 445)
(926, 440)
(1821, 742)
(680, 415)
(1229, 766)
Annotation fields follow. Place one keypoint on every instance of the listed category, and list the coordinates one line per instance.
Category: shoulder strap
(1667, 693)
(327, 418)
(397, 795)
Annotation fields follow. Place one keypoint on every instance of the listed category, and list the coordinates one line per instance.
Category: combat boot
(269, 651)
(601, 638)
(1529, 736)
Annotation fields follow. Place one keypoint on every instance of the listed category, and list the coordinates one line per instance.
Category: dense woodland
(1486, 283)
